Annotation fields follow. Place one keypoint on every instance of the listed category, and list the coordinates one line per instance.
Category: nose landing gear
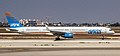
(103, 37)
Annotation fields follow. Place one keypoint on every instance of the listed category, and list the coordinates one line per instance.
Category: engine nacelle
(94, 31)
(68, 35)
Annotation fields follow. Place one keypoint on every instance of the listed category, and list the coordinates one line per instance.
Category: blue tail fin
(14, 23)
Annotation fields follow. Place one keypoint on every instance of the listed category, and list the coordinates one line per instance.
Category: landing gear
(103, 37)
(58, 38)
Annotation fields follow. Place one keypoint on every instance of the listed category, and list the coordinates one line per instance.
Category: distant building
(23, 21)
(39, 22)
(29, 22)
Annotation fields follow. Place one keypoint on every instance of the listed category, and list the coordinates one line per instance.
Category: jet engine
(68, 35)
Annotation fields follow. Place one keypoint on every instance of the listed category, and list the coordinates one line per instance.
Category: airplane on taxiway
(65, 32)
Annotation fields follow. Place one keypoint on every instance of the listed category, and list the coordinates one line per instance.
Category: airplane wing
(14, 31)
(55, 32)
(60, 33)
(11, 30)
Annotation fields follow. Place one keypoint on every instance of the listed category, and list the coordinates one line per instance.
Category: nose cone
(111, 32)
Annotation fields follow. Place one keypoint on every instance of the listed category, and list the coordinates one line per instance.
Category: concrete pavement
(61, 52)
(49, 43)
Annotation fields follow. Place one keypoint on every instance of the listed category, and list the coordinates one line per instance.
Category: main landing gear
(58, 38)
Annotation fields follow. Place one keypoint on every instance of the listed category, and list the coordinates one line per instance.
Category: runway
(49, 43)
(49, 47)
(61, 52)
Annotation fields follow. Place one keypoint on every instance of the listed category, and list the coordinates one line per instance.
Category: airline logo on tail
(14, 23)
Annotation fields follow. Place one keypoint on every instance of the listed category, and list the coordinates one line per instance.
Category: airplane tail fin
(14, 23)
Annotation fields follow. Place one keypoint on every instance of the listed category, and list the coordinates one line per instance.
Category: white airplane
(66, 32)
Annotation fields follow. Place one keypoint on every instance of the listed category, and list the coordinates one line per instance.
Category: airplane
(65, 32)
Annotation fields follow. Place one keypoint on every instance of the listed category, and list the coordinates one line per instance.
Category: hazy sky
(64, 10)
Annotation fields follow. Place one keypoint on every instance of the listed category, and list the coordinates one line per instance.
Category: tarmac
(69, 47)
(61, 52)
(50, 43)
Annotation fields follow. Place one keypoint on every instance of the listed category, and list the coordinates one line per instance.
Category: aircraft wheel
(57, 38)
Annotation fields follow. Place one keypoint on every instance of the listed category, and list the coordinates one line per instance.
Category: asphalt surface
(61, 52)
(49, 43)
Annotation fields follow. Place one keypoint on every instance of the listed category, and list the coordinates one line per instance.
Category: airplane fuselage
(95, 30)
